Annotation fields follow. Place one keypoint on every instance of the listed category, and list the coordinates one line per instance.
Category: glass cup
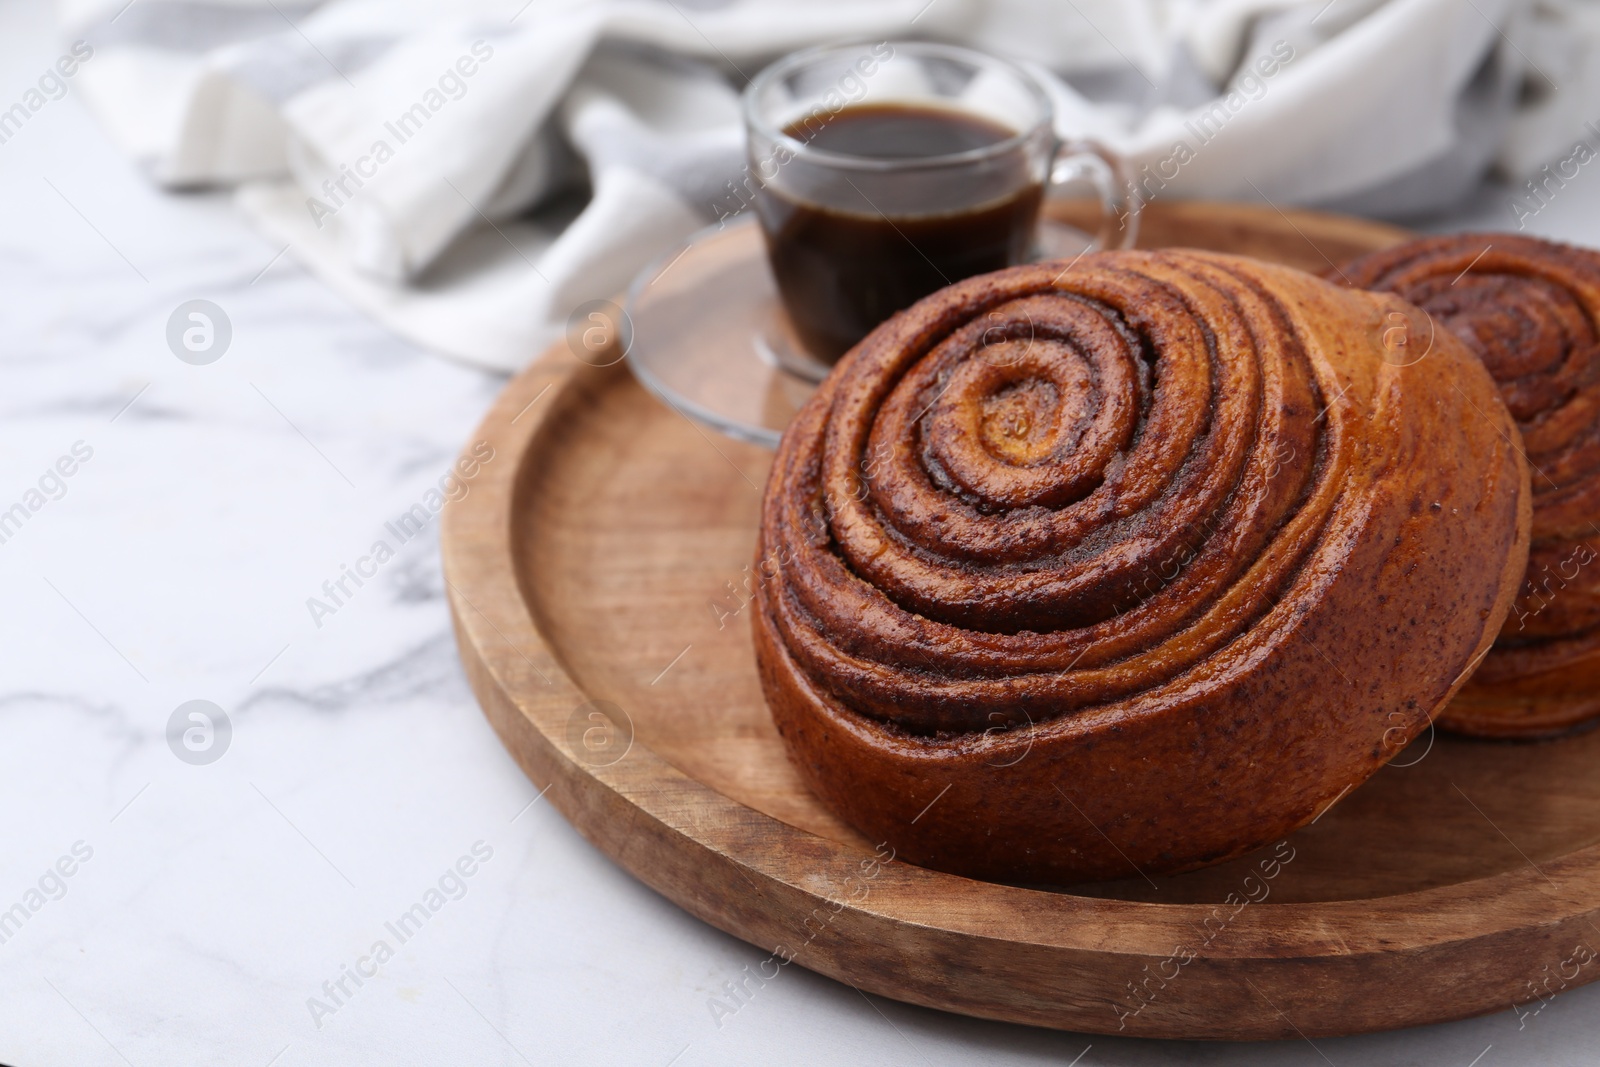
(881, 172)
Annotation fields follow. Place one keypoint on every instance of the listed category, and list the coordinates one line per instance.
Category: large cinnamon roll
(1130, 566)
(1529, 309)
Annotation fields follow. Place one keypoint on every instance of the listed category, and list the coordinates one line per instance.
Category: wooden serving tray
(598, 575)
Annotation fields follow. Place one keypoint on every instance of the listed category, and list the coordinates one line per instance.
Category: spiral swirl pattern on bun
(1137, 564)
(1529, 309)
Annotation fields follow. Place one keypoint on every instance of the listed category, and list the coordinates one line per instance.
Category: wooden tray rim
(502, 648)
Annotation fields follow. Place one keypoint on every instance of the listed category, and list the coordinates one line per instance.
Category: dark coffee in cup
(846, 259)
(883, 172)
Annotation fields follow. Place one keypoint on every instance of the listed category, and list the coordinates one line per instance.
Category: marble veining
(220, 903)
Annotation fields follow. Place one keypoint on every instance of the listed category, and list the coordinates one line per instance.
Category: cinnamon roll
(1132, 565)
(1528, 308)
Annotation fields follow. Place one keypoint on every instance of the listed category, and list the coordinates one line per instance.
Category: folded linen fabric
(469, 172)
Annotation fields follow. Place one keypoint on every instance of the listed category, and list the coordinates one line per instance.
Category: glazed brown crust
(1138, 564)
(1528, 308)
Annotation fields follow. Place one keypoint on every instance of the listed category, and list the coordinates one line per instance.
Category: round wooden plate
(598, 574)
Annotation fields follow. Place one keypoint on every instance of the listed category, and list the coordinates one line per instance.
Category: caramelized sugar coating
(1528, 308)
(1137, 565)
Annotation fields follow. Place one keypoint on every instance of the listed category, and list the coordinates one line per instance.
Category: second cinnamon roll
(1530, 309)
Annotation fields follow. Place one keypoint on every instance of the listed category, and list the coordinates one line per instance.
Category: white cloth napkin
(469, 171)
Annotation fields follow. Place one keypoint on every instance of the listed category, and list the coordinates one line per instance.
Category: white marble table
(210, 908)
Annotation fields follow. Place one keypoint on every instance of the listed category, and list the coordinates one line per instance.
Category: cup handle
(1074, 160)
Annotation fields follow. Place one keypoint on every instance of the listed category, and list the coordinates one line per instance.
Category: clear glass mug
(884, 171)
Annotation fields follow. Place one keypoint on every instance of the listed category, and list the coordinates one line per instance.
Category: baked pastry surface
(1132, 565)
(1528, 308)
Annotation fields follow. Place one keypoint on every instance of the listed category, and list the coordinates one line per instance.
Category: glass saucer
(707, 333)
